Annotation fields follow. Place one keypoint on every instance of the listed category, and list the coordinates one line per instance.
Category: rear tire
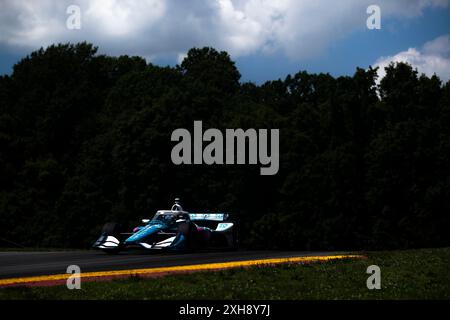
(235, 245)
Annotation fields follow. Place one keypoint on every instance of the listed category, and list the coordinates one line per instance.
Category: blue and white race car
(174, 229)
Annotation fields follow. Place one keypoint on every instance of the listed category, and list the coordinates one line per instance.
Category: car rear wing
(209, 216)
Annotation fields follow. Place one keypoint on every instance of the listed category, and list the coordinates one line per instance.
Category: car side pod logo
(255, 141)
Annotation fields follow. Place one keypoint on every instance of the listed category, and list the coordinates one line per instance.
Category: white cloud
(297, 28)
(115, 18)
(181, 57)
(440, 45)
(431, 59)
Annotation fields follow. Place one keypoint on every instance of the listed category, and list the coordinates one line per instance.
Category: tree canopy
(85, 139)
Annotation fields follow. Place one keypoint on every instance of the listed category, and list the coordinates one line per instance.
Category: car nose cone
(143, 233)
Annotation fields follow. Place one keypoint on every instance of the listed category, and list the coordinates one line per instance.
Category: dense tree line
(85, 139)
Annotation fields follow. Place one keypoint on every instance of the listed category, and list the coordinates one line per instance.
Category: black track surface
(21, 264)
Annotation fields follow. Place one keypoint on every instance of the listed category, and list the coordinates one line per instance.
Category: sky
(268, 39)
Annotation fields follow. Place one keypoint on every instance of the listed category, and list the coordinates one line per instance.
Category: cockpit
(170, 217)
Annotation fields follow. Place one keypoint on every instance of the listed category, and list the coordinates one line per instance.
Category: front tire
(112, 229)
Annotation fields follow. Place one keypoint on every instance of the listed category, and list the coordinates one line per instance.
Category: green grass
(412, 274)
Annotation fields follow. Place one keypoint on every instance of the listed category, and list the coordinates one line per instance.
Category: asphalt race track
(27, 264)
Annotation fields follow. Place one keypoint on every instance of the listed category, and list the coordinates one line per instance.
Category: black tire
(184, 228)
(217, 240)
(235, 244)
(188, 229)
(112, 229)
(112, 251)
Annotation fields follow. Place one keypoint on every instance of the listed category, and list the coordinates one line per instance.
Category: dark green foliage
(85, 139)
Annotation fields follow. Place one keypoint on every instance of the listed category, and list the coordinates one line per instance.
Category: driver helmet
(177, 206)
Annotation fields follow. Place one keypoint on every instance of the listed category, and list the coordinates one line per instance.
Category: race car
(174, 229)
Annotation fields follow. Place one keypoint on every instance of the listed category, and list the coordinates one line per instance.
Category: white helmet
(177, 206)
